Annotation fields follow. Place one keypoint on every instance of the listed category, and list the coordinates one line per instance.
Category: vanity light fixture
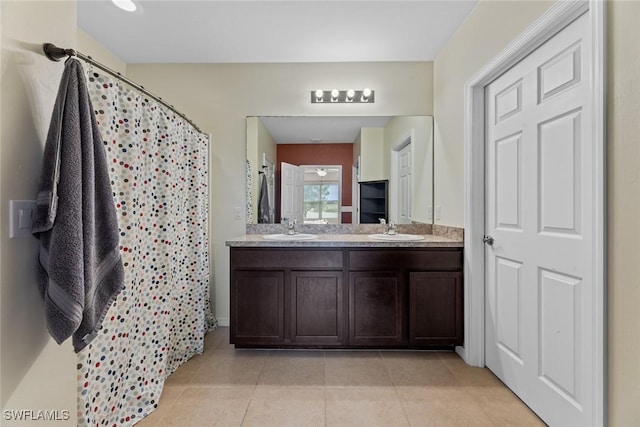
(321, 172)
(335, 93)
(365, 96)
(127, 5)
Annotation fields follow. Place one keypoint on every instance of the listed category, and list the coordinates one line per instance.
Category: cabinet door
(435, 308)
(376, 302)
(317, 309)
(257, 309)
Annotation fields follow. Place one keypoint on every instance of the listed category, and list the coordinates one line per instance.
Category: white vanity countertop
(344, 240)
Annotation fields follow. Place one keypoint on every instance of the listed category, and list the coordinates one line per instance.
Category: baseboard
(223, 321)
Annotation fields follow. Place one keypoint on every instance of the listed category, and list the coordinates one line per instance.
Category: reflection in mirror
(322, 194)
(287, 155)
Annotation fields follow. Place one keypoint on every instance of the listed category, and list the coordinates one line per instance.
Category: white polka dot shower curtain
(159, 174)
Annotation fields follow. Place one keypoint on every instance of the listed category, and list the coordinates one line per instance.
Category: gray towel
(263, 202)
(80, 269)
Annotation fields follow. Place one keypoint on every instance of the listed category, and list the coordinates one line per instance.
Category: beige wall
(35, 372)
(219, 97)
(371, 152)
(623, 209)
(487, 30)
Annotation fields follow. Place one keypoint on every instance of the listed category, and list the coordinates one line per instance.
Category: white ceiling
(325, 130)
(171, 31)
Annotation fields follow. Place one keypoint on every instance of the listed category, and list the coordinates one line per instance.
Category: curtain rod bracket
(55, 53)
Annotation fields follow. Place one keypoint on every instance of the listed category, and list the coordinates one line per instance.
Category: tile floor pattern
(228, 387)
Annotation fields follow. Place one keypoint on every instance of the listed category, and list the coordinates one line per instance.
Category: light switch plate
(20, 218)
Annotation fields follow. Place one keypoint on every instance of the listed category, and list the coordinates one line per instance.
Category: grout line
(395, 389)
(264, 367)
(246, 410)
(458, 383)
(406, 417)
(255, 387)
(393, 383)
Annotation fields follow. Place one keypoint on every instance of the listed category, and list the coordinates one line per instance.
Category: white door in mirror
(292, 194)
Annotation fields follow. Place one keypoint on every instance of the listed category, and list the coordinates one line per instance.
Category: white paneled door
(291, 192)
(539, 215)
(404, 185)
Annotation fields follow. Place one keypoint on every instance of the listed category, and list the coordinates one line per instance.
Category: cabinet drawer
(395, 259)
(307, 259)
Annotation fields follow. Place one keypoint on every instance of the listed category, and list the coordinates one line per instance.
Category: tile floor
(227, 387)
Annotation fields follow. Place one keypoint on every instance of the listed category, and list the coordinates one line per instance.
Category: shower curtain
(159, 174)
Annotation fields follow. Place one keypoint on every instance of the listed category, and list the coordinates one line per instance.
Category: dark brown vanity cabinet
(316, 307)
(435, 308)
(292, 297)
(376, 309)
(350, 297)
(257, 303)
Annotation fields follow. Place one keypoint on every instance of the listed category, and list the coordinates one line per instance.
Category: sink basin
(290, 237)
(397, 237)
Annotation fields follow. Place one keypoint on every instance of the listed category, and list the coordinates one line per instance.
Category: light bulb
(334, 95)
(319, 95)
(350, 94)
(127, 5)
(366, 93)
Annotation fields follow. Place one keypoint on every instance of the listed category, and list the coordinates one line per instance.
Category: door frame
(551, 22)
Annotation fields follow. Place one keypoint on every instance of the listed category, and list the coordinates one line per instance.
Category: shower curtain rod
(55, 53)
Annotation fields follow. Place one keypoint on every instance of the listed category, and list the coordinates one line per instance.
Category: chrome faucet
(391, 230)
(291, 227)
(383, 222)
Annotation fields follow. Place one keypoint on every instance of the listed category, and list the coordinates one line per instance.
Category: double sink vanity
(347, 290)
(345, 285)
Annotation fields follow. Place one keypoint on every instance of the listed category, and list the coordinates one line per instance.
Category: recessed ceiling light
(127, 5)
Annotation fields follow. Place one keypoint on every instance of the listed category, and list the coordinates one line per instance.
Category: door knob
(488, 240)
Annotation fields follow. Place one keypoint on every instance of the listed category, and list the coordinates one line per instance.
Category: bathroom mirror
(311, 168)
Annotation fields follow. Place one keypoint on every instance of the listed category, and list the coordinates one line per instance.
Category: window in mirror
(322, 199)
